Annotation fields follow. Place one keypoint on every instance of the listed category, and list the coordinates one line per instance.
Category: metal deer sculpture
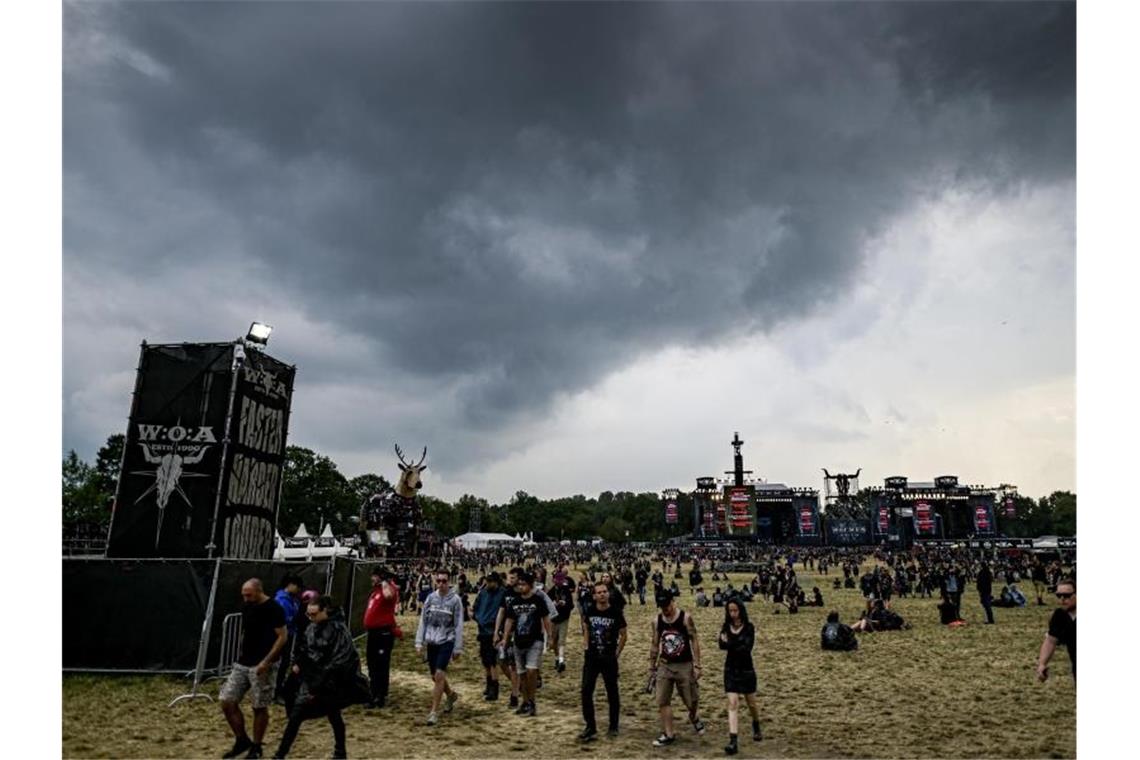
(396, 511)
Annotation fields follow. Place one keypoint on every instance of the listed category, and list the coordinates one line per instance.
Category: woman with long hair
(737, 637)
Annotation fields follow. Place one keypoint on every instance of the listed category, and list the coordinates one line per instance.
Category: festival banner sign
(172, 456)
(982, 522)
(740, 508)
(1010, 507)
(848, 532)
(256, 457)
(807, 521)
(671, 513)
(884, 519)
(923, 519)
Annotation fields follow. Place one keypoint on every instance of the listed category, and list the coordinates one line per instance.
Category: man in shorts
(263, 638)
(441, 630)
(675, 656)
(527, 617)
(505, 649)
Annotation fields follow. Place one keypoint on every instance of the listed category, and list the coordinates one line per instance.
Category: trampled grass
(930, 691)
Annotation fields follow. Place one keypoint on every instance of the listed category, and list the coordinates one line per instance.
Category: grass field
(927, 692)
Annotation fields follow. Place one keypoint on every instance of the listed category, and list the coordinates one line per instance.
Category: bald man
(262, 640)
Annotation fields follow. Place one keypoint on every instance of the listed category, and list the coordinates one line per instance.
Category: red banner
(884, 519)
(807, 520)
(670, 512)
(740, 503)
(982, 520)
(1010, 508)
(923, 518)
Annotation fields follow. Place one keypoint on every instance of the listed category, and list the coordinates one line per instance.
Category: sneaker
(531, 709)
(588, 735)
(612, 733)
(522, 708)
(240, 745)
(664, 740)
(698, 726)
(449, 702)
(254, 752)
(560, 666)
(432, 719)
(514, 701)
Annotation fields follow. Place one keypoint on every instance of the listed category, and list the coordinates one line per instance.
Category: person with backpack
(836, 636)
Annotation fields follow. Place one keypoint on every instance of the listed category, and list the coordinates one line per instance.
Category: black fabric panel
(134, 615)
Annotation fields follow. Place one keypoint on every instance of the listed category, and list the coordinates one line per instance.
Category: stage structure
(903, 511)
(839, 494)
(748, 508)
(204, 453)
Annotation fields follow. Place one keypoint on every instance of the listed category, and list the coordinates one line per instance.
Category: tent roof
(327, 532)
(468, 537)
(302, 532)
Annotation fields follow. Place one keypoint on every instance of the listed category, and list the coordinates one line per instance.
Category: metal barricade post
(204, 642)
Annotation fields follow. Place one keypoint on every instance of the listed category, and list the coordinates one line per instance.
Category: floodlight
(259, 333)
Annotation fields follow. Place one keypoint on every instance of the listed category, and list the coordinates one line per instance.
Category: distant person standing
(737, 637)
(604, 634)
(263, 639)
(441, 632)
(380, 623)
(1040, 577)
(985, 583)
(1062, 629)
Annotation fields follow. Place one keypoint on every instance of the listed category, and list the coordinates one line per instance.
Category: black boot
(756, 735)
(492, 691)
(731, 748)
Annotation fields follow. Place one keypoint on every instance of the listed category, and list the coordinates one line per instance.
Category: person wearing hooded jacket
(327, 662)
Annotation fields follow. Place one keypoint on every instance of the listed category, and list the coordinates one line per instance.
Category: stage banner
(848, 532)
(172, 458)
(256, 457)
(671, 513)
(983, 518)
(741, 509)
(923, 519)
(884, 519)
(1010, 507)
(807, 520)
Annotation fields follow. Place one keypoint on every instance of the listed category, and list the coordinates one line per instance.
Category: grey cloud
(509, 201)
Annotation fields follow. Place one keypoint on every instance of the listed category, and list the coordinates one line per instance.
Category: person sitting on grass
(702, 597)
(836, 636)
(880, 619)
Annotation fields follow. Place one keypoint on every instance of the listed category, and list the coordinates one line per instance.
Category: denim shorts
(439, 656)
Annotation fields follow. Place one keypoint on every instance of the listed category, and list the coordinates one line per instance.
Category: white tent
(302, 532)
(327, 532)
(484, 540)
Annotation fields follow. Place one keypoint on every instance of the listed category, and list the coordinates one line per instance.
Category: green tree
(108, 460)
(313, 489)
(363, 486)
(1063, 505)
(615, 529)
(83, 501)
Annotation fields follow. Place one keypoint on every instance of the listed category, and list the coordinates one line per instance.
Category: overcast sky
(574, 247)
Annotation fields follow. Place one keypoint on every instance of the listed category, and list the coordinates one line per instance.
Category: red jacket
(381, 612)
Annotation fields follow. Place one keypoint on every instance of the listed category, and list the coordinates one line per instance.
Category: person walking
(380, 624)
(604, 637)
(485, 611)
(327, 662)
(737, 637)
(1062, 630)
(675, 657)
(984, 581)
(263, 640)
(441, 631)
(562, 596)
(289, 597)
(526, 617)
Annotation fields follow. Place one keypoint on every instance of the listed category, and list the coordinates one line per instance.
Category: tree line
(315, 492)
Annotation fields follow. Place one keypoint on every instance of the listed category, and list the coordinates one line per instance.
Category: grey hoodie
(441, 621)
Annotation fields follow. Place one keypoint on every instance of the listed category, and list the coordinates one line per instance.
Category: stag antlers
(406, 463)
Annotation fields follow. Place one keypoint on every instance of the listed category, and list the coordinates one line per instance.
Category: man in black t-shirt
(263, 637)
(604, 635)
(526, 619)
(1062, 629)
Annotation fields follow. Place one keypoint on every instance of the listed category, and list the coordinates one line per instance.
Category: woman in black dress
(737, 636)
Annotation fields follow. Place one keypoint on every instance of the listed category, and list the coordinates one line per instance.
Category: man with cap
(675, 657)
(380, 623)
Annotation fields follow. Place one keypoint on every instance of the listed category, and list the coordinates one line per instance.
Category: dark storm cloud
(514, 199)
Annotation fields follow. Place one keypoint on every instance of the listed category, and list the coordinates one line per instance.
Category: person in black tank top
(675, 657)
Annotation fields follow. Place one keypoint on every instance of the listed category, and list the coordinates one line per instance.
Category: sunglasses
(441, 580)
(1061, 595)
